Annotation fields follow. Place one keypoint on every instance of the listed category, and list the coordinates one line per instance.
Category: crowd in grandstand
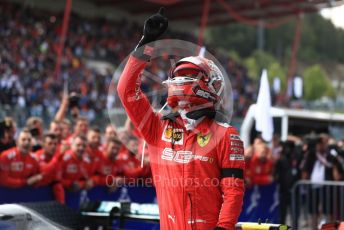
(28, 51)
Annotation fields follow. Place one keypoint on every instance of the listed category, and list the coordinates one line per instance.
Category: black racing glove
(154, 26)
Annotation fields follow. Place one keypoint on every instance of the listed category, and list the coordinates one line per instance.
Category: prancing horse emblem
(203, 140)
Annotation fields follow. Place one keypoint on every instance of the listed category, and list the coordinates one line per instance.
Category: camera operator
(7, 132)
(35, 126)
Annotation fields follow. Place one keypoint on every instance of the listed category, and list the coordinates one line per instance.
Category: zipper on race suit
(191, 216)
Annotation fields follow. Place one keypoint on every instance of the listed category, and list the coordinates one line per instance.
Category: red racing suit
(198, 174)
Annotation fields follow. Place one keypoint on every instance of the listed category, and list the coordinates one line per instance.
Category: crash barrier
(260, 202)
(316, 203)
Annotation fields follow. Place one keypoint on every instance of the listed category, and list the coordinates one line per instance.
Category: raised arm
(129, 91)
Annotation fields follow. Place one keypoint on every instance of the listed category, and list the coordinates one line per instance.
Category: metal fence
(316, 203)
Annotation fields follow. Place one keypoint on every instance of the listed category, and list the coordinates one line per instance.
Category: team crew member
(128, 154)
(56, 129)
(110, 132)
(66, 129)
(45, 157)
(192, 144)
(80, 129)
(261, 166)
(93, 149)
(75, 166)
(49, 161)
(108, 172)
(112, 171)
(17, 167)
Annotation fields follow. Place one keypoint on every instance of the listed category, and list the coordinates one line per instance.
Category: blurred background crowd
(312, 157)
(72, 142)
(29, 86)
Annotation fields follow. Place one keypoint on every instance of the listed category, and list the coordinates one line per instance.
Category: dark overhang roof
(191, 10)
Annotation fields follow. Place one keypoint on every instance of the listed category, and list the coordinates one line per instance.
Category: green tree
(316, 83)
(235, 36)
(320, 40)
(258, 61)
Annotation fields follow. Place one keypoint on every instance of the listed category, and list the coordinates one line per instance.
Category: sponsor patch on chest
(72, 168)
(183, 156)
(17, 166)
(174, 135)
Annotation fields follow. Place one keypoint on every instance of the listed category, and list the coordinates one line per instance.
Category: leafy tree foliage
(316, 83)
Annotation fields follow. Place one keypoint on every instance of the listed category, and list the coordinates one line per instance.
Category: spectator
(276, 148)
(18, 167)
(287, 173)
(318, 167)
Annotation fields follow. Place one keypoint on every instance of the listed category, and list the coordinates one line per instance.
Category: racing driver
(196, 158)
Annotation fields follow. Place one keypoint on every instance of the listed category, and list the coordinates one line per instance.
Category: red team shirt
(96, 158)
(48, 166)
(198, 174)
(16, 168)
(109, 169)
(74, 169)
(260, 171)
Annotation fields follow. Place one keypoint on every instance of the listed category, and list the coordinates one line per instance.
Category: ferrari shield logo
(203, 140)
(168, 133)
